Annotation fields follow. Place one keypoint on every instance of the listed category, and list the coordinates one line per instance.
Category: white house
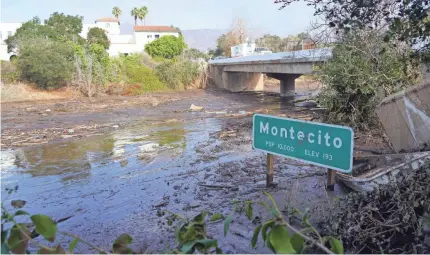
(6, 30)
(119, 43)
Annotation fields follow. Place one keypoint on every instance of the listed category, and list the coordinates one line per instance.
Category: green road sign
(320, 144)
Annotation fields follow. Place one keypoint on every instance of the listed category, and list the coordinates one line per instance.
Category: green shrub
(166, 46)
(47, 63)
(363, 70)
(9, 72)
(179, 73)
(141, 80)
(195, 54)
(98, 36)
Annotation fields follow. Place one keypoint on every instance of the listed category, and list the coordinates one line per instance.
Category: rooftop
(107, 20)
(155, 29)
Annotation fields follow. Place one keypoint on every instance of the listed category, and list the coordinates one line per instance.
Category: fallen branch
(216, 186)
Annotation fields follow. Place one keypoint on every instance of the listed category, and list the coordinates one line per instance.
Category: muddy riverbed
(141, 158)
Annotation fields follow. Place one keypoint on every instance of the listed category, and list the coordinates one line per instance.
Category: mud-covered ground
(113, 163)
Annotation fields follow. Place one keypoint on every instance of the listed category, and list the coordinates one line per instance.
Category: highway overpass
(246, 73)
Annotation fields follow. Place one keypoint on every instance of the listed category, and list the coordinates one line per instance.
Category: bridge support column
(236, 81)
(287, 83)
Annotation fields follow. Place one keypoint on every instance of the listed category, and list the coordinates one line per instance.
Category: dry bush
(16, 92)
(387, 220)
(89, 74)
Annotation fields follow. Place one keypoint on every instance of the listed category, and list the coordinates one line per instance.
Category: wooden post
(331, 174)
(270, 171)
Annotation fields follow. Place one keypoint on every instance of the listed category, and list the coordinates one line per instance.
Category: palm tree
(116, 11)
(142, 14)
(135, 13)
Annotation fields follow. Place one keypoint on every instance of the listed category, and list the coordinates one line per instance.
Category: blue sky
(261, 16)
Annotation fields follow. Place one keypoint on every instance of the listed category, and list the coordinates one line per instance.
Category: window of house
(157, 36)
(107, 25)
(149, 36)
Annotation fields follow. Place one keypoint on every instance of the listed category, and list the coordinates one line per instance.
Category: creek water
(116, 182)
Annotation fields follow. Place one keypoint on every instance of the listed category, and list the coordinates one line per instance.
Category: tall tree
(135, 14)
(235, 36)
(142, 14)
(65, 24)
(402, 20)
(98, 35)
(58, 27)
(116, 11)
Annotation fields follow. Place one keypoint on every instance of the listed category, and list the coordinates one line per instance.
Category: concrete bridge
(246, 73)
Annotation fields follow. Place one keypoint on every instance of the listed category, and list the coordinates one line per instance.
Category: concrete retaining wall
(405, 117)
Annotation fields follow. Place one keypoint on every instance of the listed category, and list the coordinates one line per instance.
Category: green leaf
(275, 210)
(45, 226)
(200, 218)
(336, 245)
(17, 241)
(249, 211)
(21, 212)
(190, 234)
(178, 233)
(297, 241)
(227, 223)
(218, 251)
(205, 244)
(266, 225)
(280, 240)
(188, 247)
(3, 234)
(4, 248)
(254, 238)
(73, 244)
(120, 244)
(270, 246)
(216, 217)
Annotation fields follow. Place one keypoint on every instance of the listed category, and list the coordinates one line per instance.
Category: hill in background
(202, 39)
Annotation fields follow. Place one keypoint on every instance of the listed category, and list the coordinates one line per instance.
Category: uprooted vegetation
(391, 219)
(364, 69)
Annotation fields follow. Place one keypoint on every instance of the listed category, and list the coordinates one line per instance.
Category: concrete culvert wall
(405, 117)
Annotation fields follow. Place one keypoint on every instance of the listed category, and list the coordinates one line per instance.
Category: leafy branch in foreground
(278, 235)
(281, 237)
(16, 239)
(191, 235)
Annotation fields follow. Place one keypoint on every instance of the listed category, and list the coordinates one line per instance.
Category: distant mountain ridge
(202, 39)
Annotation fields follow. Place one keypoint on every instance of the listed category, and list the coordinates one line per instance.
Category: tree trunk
(135, 20)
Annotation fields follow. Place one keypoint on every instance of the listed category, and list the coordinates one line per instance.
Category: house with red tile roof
(128, 43)
(119, 43)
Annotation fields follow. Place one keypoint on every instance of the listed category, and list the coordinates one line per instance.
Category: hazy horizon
(261, 17)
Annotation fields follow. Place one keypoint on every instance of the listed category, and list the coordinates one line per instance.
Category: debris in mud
(195, 108)
(18, 203)
(228, 133)
(387, 220)
(307, 104)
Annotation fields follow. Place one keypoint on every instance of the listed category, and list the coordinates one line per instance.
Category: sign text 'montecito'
(321, 144)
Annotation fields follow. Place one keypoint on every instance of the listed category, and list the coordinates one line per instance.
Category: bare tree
(89, 74)
(236, 35)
